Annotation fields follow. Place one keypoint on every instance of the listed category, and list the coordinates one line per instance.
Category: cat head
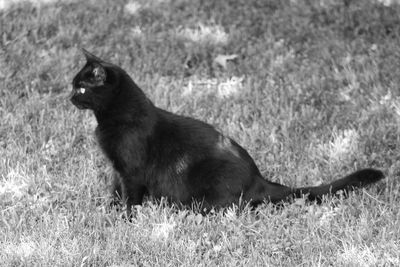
(94, 85)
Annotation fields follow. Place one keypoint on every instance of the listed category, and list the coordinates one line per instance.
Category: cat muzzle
(76, 99)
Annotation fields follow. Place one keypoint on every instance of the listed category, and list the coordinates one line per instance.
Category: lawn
(309, 88)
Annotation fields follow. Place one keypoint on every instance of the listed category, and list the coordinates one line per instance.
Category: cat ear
(99, 72)
(90, 57)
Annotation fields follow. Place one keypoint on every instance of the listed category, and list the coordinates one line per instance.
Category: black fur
(162, 154)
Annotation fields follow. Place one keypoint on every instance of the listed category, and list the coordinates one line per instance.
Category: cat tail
(357, 179)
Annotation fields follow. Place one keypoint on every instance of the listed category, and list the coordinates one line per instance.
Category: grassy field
(310, 88)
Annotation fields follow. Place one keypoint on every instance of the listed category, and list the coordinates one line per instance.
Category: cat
(161, 154)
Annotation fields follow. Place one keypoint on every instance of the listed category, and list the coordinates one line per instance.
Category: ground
(309, 88)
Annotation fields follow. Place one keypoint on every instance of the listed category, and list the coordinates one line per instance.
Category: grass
(311, 92)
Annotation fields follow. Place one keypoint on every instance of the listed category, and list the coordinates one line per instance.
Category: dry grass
(312, 95)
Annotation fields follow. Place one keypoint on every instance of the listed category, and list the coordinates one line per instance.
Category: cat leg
(133, 195)
(116, 190)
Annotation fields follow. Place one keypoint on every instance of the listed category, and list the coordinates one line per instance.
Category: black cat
(162, 154)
